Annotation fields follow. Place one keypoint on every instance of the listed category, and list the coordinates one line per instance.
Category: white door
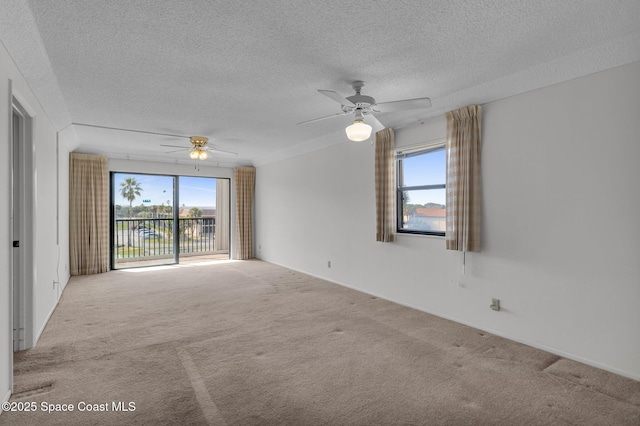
(23, 225)
(17, 251)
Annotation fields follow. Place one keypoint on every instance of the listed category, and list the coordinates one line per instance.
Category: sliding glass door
(204, 218)
(143, 212)
(160, 220)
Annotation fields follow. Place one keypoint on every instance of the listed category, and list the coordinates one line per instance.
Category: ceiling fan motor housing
(362, 101)
(199, 141)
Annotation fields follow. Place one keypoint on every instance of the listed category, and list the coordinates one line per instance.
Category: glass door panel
(143, 212)
(203, 218)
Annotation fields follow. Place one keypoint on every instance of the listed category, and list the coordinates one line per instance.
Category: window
(144, 207)
(421, 193)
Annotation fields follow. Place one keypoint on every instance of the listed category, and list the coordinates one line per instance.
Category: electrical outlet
(495, 304)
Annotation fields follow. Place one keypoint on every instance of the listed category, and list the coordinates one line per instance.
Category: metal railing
(135, 238)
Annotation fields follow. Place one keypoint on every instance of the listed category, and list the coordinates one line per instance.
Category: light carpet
(251, 343)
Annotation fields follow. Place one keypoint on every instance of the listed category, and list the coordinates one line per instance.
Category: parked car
(147, 234)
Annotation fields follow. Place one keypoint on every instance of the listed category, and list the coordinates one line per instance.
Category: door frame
(22, 195)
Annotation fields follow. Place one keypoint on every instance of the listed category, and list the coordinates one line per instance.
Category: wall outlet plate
(495, 304)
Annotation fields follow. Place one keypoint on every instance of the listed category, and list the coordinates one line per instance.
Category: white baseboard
(62, 287)
(44, 324)
(6, 396)
(488, 330)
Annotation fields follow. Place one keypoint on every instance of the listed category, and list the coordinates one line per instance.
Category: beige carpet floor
(251, 343)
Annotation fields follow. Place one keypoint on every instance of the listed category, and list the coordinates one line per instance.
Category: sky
(427, 169)
(194, 191)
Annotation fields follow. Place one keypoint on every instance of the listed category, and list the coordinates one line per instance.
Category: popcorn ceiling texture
(244, 73)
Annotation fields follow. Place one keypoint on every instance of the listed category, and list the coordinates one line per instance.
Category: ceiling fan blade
(175, 150)
(322, 118)
(337, 97)
(372, 121)
(219, 151)
(176, 146)
(418, 103)
(129, 130)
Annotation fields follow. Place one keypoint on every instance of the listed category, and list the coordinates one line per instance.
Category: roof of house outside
(437, 212)
(206, 211)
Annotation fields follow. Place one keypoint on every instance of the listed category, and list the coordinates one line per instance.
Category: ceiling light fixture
(198, 154)
(358, 131)
(198, 151)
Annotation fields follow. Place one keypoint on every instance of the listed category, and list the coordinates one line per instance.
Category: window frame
(401, 154)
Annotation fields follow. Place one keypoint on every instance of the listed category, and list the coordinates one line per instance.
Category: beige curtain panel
(245, 178)
(385, 186)
(221, 238)
(464, 200)
(88, 214)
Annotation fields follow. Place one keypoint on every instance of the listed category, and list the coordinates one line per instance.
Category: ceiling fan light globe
(358, 131)
(203, 155)
(194, 154)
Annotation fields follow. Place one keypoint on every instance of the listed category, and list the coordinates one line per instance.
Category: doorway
(22, 225)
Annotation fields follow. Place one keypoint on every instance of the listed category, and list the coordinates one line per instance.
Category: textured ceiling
(245, 72)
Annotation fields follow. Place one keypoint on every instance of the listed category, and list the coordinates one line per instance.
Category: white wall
(561, 227)
(133, 166)
(50, 262)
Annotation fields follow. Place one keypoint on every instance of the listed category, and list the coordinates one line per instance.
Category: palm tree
(129, 189)
(195, 212)
(196, 225)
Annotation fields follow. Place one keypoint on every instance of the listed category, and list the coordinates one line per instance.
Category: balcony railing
(140, 238)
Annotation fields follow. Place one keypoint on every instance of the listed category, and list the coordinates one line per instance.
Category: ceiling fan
(199, 149)
(363, 107)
